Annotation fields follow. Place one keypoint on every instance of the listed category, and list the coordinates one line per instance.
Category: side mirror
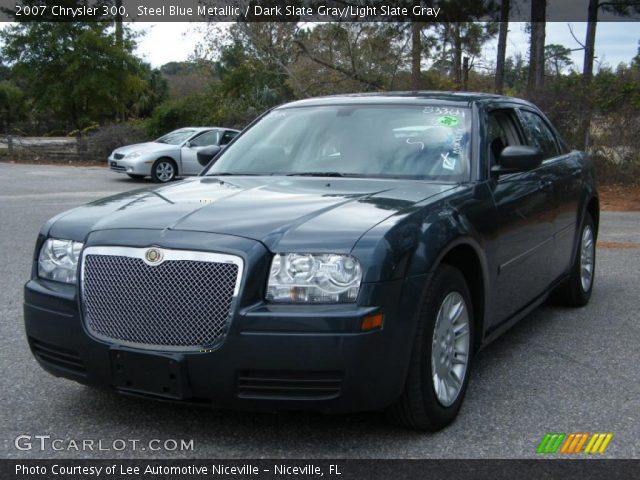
(517, 158)
(206, 154)
(187, 144)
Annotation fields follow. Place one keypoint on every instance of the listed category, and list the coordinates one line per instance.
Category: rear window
(539, 134)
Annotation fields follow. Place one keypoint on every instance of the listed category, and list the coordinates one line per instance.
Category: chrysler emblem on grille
(153, 256)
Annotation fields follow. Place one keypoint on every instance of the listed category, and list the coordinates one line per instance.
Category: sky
(616, 42)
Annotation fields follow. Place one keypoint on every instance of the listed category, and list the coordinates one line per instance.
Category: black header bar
(305, 10)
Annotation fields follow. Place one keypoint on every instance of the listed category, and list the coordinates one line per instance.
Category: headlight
(133, 155)
(58, 260)
(309, 278)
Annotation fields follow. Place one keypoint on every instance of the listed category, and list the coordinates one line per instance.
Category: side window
(501, 132)
(205, 139)
(539, 134)
(227, 136)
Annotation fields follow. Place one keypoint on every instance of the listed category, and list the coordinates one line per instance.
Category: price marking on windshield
(448, 121)
(442, 110)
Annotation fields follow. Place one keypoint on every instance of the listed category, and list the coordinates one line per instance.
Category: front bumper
(275, 357)
(139, 166)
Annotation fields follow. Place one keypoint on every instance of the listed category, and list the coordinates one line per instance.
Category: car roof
(200, 129)
(421, 97)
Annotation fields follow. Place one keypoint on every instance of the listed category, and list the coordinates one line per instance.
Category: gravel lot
(558, 370)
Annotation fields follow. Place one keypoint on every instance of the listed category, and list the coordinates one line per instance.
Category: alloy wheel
(587, 257)
(450, 348)
(164, 171)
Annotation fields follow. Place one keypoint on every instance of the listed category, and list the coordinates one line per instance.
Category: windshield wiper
(226, 174)
(292, 174)
(318, 174)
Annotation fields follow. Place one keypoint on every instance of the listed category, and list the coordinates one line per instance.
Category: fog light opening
(371, 322)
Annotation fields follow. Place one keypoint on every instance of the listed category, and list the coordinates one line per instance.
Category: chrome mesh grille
(179, 303)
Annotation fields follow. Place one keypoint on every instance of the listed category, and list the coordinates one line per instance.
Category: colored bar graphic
(599, 444)
(567, 443)
(574, 442)
(605, 444)
(550, 443)
(592, 441)
(543, 443)
(581, 443)
(553, 442)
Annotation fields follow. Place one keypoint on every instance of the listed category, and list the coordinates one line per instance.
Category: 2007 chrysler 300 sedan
(342, 253)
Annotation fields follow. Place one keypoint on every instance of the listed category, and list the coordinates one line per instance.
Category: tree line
(73, 77)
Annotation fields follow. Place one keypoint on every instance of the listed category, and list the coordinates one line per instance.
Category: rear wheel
(441, 355)
(576, 291)
(164, 170)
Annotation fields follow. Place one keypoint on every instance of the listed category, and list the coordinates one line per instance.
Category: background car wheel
(441, 355)
(164, 170)
(135, 177)
(576, 291)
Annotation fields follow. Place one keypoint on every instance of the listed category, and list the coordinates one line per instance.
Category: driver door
(189, 151)
(523, 229)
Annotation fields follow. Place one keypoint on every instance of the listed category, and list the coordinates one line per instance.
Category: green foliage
(557, 58)
(516, 72)
(250, 81)
(5, 72)
(614, 100)
(614, 91)
(635, 62)
(185, 68)
(346, 57)
(12, 104)
(243, 87)
(156, 91)
(189, 111)
(78, 73)
(459, 39)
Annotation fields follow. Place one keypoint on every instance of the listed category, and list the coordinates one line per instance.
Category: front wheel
(576, 291)
(164, 170)
(441, 355)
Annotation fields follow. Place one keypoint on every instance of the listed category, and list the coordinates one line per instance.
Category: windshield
(176, 137)
(423, 142)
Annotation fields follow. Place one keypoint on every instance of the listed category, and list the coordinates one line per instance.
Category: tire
(164, 170)
(420, 407)
(135, 177)
(575, 292)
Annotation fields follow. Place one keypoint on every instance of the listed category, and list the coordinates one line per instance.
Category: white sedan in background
(172, 155)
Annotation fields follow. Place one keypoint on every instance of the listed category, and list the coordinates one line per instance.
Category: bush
(191, 111)
(615, 146)
(614, 100)
(209, 109)
(103, 140)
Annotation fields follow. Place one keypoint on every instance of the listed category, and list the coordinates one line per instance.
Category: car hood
(147, 147)
(284, 213)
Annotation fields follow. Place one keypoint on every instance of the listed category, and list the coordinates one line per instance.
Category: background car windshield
(176, 137)
(430, 142)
